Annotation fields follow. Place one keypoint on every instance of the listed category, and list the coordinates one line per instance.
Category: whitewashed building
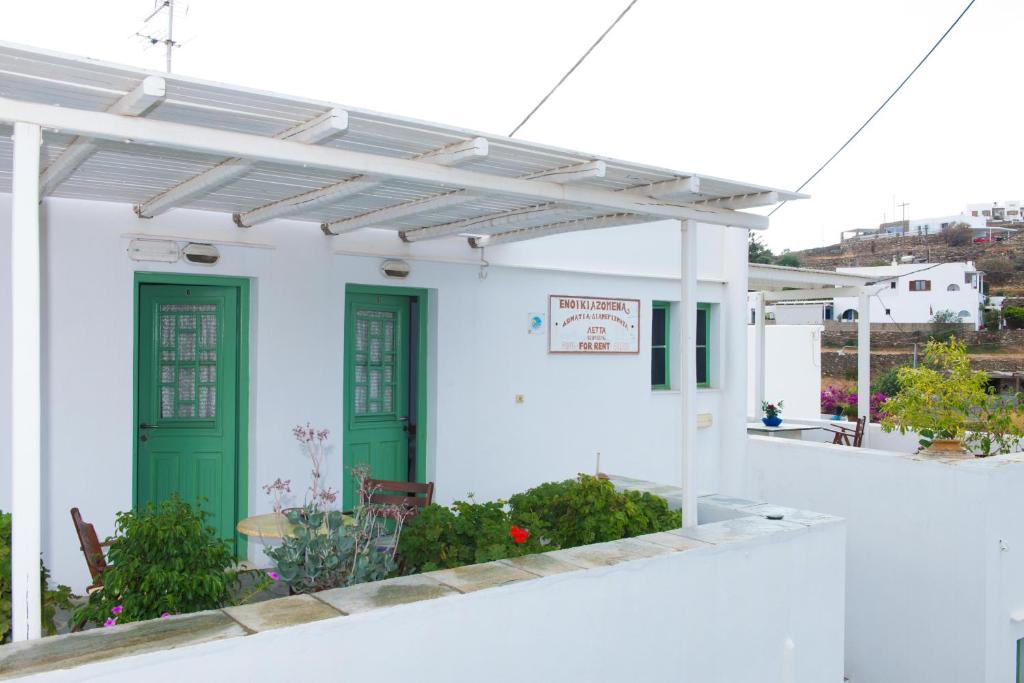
(195, 268)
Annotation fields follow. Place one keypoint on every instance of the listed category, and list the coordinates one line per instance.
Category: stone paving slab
(673, 539)
(542, 564)
(610, 553)
(474, 577)
(97, 645)
(739, 529)
(365, 597)
(288, 611)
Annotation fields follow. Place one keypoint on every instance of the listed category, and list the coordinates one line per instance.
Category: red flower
(519, 535)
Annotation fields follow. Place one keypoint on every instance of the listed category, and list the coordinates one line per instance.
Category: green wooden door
(188, 398)
(377, 364)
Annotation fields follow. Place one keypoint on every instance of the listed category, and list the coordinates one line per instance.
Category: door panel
(188, 398)
(376, 388)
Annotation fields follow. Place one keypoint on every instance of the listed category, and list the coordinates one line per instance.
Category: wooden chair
(406, 494)
(92, 548)
(844, 436)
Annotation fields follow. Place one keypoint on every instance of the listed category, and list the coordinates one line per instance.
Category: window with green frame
(661, 326)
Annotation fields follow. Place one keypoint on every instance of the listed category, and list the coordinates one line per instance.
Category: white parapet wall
(792, 369)
(743, 599)
(935, 555)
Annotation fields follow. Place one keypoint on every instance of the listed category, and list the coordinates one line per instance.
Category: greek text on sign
(590, 324)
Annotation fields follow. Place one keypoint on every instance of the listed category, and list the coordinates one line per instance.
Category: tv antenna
(155, 34)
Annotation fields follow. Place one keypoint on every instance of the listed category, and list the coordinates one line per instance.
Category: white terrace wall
(792, 370)
(935, 555)
(480, 357)
(763, 610)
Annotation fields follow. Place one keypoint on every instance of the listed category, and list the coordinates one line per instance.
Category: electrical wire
(574, 66)
(882, 106)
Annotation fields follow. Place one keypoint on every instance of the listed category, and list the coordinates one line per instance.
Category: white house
(1009, 211)
(915, 292)
(196, 268)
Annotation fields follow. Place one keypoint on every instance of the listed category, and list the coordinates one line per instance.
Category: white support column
(759, 352)
(688, 368)
(864, 359)
(26, 403)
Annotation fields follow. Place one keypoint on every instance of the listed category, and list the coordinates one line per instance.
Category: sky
(749, 90)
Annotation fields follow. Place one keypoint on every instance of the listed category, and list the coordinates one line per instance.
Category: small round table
(274, 525)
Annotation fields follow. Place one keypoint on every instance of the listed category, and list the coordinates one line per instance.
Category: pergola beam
(668, 188)
(256, 148)
(323, 127)
(522, 234)
(819, 293)
(563, 176)
(140, 100)
(449, 155)
(742, 201)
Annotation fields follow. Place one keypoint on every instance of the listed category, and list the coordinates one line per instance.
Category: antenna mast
(155, 38)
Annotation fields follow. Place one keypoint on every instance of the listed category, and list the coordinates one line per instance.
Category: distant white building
(1009, 210)
(916, 292)
(975, 216)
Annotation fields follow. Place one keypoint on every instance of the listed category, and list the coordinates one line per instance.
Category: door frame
(421, 366)
(240, 284)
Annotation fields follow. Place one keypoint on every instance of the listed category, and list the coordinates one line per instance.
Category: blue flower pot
(771, 421)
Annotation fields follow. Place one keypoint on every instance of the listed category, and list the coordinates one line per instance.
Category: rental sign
(590, 324)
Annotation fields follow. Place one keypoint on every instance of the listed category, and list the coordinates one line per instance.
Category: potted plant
(771, 413)
(944, 401)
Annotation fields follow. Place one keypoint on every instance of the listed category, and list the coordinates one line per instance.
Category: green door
(377, 388)
(187, 397)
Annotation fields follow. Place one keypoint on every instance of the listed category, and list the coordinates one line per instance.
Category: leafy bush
(163, 560)
(1014, 317)
(589, 510)
(787, 258)
(957, 234)
(466, 533)
(944, 317)
(553, 515)
(888, 382)
(52, 599)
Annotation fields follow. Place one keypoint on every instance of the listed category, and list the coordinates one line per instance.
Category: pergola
(782, 283)
(154, 142)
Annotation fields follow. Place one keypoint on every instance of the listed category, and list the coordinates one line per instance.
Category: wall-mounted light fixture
(164, 251)
(395, 269)
(201, 254)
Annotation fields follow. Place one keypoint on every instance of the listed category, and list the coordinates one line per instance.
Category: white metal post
(26, 405)
(759, 352)
(688, 368)
(864, 359)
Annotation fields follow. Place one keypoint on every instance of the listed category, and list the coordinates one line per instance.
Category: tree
(758, 251)
(788, 258)
(1014, 316)
(957, 234)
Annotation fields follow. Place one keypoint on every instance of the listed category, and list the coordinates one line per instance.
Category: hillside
(1003, 262)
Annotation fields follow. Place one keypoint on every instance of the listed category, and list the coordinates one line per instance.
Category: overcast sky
(744, 89)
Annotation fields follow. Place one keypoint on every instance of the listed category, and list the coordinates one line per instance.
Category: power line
(882, 106)
(574, 66)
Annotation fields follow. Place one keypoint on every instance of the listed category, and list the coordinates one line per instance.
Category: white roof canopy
(159, 141)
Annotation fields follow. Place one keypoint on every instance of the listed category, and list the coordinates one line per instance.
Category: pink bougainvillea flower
(518, 534)
(274, 576)
(112, 621)
(165, 615)
(116, 609)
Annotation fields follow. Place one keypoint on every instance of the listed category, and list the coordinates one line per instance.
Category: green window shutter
(661, 378)
(703, 345)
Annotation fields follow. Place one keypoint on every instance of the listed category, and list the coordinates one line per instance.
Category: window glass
(660, 378)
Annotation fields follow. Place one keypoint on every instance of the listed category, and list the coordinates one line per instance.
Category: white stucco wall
(480, 440)
(935, 555)
(792, 370)
(768, 609)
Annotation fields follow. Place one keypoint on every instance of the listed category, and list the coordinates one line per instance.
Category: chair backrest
(407, 494)
(858, 434)
(91, 547)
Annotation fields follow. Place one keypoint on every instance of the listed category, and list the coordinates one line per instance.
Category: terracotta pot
(947, 448)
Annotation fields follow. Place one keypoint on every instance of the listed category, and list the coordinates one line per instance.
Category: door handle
(408, 428)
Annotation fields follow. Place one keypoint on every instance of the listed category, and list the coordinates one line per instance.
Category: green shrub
(556, 515)
(1014, 316)
(589, 510)
(163, 560)
(52, 599)
(466, 533)
(888, 382)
